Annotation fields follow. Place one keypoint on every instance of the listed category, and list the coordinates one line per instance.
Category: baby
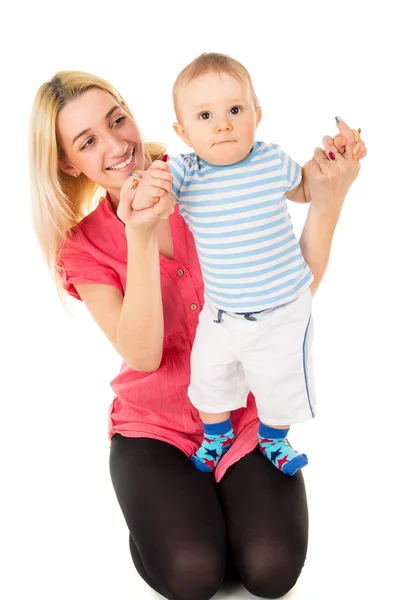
(255, 330)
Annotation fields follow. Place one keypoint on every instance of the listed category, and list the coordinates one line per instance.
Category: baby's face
(218, 118)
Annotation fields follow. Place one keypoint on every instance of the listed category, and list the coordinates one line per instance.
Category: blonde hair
(212, 62)
(59, 200)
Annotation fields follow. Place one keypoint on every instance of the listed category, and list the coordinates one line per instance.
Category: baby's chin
(225, 154)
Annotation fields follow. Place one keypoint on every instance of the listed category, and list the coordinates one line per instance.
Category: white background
(62, 531)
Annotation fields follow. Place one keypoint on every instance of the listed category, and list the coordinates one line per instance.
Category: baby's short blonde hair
(212, 62)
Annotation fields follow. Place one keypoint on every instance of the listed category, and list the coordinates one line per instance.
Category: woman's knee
(193, 575)
(272, 573)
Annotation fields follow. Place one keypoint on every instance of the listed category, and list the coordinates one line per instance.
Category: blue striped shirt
(249, 255)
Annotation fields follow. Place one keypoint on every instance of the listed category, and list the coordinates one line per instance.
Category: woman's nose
(116, 148)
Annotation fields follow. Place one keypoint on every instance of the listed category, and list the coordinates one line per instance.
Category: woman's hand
(334, 147)
(330, 180)
(340, 141)
(331, 172)
(141, 192)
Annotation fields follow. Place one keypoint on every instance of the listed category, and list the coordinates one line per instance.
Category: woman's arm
(329, 182)
(134, 323)
(316, 240)
(139, 333)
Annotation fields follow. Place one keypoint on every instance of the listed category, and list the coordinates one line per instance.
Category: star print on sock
(282, 462)
(227, 442)
(218, 438)
(274, 455)
(212, 453)
(274, 446)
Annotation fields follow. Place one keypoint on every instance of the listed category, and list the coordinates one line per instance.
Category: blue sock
(274, 445)
(217, 439)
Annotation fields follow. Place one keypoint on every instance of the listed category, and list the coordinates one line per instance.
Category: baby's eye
(87, 144)
(235, 110)
(205, 116)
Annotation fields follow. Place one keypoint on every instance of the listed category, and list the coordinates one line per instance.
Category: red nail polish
(359, 130)
(332, 156)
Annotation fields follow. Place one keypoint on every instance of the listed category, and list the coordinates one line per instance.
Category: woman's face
(99, 139)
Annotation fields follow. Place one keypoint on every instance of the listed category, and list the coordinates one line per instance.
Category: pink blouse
(154, 405)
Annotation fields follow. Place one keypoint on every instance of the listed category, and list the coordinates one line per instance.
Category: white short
(271, 357)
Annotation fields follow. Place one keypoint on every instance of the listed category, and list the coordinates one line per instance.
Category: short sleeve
(76, 265)
(291, 169)
(178, 168)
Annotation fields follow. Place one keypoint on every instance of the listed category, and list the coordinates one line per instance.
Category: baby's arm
(301, 192)
(177, 168)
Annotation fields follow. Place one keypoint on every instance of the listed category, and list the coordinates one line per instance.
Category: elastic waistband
(251, 312)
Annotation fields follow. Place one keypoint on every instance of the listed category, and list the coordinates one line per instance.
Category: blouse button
(180, 272)
(193, 306)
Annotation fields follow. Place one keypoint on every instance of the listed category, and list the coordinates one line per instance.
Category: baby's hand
(340, 141)
(142, 190)
(149, 186)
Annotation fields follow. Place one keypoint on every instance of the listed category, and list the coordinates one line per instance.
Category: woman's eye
(119, 120)
(205, 116)
(87, 144)
(235, 110)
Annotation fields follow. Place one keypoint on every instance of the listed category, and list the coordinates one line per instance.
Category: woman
(138, 274)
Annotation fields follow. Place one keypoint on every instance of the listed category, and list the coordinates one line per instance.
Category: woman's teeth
(122, 165)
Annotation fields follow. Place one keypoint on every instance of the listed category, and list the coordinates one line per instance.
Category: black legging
(187, 532)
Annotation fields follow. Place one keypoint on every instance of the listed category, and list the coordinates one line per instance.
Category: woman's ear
(67, 168)
(178, 128)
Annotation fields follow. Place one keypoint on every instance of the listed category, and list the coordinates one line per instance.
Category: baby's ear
(179, 129)
(259, 114)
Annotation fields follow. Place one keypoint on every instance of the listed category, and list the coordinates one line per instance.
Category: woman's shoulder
(101, 214)
(92, 226)
(89, 252)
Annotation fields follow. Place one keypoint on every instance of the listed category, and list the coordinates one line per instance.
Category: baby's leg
(218, 437)
(217, 386)
(278, 368)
